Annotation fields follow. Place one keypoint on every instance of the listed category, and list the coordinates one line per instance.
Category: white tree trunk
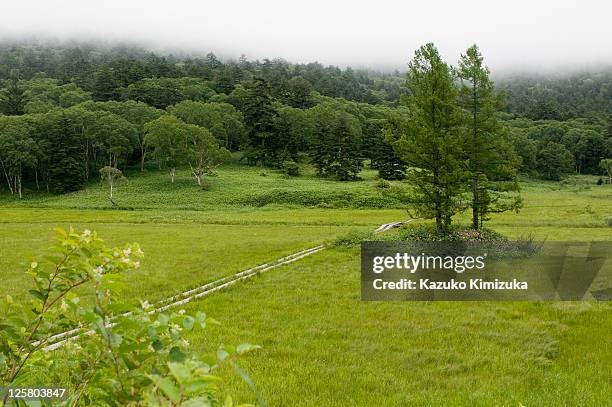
(8, 179)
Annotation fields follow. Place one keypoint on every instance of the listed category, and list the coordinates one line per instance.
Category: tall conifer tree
(432, 144)
(492, 163)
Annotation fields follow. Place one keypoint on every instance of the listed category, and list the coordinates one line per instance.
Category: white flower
(181, 312)
(145, 305)
(136, 264)
(86, 232)
(64, 306)
(98, 271)
(127, 252)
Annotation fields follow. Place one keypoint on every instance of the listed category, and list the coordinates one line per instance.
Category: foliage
(164, 92)
(335, 145)
(554, 161)
(137, 113)
(221, 119)
(12, 98)
(379, 150)
(291, 168)
(203, 152)
(606, 165)
(113, 177)
(559, 96)
(168, 137)
(259, 116)
(127, 355)
(427, 233)
(265, 108)
(66, 169)
(492, 163)
(18, 151)
(430, 143)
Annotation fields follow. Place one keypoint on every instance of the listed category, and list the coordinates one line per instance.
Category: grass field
(321, 345)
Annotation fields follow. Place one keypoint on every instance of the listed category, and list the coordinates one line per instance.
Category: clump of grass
(609, 221)
(496, 244)
(428, 233)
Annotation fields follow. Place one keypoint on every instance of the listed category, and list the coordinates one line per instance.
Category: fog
(514, 35)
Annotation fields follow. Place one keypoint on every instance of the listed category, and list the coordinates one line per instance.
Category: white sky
(513, 34)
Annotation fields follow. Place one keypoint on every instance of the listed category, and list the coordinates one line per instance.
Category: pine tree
(12, 98)
(381, 154)
(431, 144)
(335, 145)
(66, 170)
(260, 115)
(492, 163)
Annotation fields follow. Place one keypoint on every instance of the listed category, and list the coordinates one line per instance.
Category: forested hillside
(72, 113)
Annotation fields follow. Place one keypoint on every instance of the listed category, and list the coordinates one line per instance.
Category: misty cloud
(522, 34)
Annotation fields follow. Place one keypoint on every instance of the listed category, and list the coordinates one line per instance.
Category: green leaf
(188, 322)
(199, 402)
(152, 332)
(179, 371)
(157, 345)
(200, 384)
(163, 319)
(167, 387)
(246, 347)
(176, 354)
(37, 294)
(222, 354)
(115, 339)
(247, 379)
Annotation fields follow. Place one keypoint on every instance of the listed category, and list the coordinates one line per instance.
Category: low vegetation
(215, 167)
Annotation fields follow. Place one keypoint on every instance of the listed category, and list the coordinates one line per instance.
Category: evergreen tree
(260, 117)
(381, 154)
(335, 145)
(12, 98)
(66, 170)
(431, 144)
(492, 163)
(104, 86)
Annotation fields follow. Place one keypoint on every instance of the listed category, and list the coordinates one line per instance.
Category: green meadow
(322, 346)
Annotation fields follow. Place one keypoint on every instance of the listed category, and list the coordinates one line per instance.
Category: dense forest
(72, 113)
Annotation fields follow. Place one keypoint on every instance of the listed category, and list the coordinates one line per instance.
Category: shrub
(383, 184)
(125, 355)
(497, 245)
(429, 233)
(291, 168)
